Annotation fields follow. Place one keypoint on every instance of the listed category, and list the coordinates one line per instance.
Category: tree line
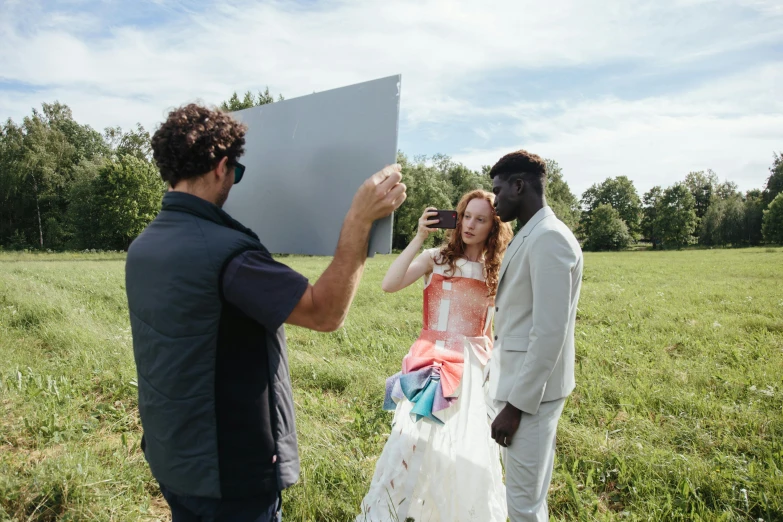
(66, 186)
(698, 210)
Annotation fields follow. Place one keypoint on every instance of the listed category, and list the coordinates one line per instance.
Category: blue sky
(651, 90)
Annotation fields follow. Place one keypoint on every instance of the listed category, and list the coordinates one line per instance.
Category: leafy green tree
(733, 231)
(87, 143)
(248, 101)
(650, 214)
(464, 180)
(702, 186)
(754, 215)
(425, 188)
(774, 184)
(44, 168)
(559, 196)
(711, 224)
(608, 231)
(235, 104)
(83, 220)
(726, 190)
(459, 178)
(38, 160)
(773, 221)
(11, 153)
(135, 142)
(621, 195)
(725, 222)
(676, 216)
(127, 196)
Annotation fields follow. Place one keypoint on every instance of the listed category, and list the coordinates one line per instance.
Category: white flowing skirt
(440, 473)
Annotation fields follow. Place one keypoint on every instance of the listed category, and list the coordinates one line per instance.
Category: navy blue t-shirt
(264, 289)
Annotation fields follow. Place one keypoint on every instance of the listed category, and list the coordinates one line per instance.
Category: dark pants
(200, 509)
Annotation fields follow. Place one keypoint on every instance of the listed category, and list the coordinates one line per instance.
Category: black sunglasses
(239, 171)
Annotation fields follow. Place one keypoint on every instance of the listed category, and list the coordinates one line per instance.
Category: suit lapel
(519, 239)
(512, 249)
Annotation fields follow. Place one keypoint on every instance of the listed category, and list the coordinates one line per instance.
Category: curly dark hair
(193, 140)
(530, 167)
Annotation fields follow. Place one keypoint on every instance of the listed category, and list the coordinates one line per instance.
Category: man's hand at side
(506, 425)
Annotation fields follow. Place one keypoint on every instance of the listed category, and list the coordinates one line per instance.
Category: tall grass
(677, 415)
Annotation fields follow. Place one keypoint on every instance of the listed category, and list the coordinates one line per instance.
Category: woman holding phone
(440, 463)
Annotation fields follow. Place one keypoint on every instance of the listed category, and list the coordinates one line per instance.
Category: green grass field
(677, 415)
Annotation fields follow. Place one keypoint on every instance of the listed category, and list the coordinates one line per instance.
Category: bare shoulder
(426, 259)
(434, 254)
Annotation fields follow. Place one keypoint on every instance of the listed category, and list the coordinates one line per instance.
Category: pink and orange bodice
(457, 316)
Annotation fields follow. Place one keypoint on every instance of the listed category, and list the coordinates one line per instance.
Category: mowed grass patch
(677, 415)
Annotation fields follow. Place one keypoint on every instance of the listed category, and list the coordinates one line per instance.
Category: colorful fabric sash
(431, 375)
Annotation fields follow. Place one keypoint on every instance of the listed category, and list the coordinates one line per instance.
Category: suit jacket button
(496, 337)
(497, 309)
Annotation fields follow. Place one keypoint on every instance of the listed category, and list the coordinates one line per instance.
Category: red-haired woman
(440, 463)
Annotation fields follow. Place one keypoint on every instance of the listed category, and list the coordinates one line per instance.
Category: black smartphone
(448, 219)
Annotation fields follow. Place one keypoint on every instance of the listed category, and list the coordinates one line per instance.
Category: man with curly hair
(532, 367)
(207, 307)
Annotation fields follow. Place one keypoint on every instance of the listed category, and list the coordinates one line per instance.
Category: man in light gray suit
(532, 367)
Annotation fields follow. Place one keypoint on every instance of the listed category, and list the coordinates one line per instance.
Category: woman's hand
(425, 223)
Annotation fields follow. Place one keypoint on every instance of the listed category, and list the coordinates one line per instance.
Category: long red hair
(499, 237)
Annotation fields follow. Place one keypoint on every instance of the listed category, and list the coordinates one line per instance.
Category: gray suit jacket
(540, 279)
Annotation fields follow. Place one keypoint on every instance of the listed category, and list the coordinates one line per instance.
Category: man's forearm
(335, 289)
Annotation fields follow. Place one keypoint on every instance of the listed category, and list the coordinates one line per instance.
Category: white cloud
(133, 73)
(732, 127)
(660, 151)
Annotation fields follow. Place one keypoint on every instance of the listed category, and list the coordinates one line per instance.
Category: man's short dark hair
(193, 140)
(530, 167)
